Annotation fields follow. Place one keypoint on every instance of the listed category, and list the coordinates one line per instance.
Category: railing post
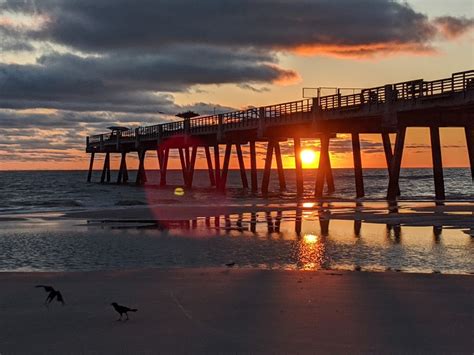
(261, 122)
(101, 142)
(187, 129)
(87, 142)
(389, 118)
(137, 138)
(118, 140)
(160, 134)
(220, 127)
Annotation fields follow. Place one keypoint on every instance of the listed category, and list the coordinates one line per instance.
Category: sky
(71, 68)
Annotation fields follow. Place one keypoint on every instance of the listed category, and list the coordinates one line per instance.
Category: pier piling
(359, 177)
(394, 175)
(253, 167)
(437, 163)
(298, 167)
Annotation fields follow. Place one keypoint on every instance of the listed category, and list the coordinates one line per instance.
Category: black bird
(52, 294)
(231, 264)
(122, 310)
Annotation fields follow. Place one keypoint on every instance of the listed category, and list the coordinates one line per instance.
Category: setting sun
(308, 156)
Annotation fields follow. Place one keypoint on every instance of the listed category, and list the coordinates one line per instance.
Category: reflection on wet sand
(394, 217)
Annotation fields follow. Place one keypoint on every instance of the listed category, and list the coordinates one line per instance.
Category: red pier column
(184, 167)
(191, 166)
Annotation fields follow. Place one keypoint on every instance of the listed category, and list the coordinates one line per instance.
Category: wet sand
(235, 310)
(409, 213)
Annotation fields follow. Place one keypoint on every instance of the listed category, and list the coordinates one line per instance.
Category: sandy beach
(238, 311)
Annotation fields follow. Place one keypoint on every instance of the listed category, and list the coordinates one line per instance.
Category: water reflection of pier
(269, 221)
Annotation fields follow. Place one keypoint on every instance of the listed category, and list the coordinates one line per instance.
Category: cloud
(89, 64)
(453, 27)
(127, 83)
(286, 25)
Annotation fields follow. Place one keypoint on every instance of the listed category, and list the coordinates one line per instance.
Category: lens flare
(179, 191)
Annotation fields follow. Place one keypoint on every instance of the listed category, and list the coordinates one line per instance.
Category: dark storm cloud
(94, 26)
(127, 83)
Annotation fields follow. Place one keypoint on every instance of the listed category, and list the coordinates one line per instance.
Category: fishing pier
(383, 110)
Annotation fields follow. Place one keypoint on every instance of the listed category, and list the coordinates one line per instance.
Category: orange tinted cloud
(363, 50)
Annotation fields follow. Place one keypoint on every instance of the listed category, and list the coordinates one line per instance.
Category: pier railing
(408, 90)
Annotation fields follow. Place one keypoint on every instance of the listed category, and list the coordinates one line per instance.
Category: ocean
(41, 191)
(55, 221)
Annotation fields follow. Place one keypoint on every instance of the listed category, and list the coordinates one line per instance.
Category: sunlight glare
(308, 156)
(310, 238)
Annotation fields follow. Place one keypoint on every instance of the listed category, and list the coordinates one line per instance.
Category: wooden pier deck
(382, 110)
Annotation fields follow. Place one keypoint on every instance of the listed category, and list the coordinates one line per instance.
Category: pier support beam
(243, 173)
(267, 169)
(163, 156)
(329, 176)
(217, 165)
(437, 163)
(209, 166)
(225, 167)
(253, 167)
(469, 131)
(387, 147)
(106, 169)
(91, 165)
(122, 174)
(396, 164)
(141, 174)
(298, 167)
(281, 171)
(191, 165)
(359, 177)
(184, 167)
(323, 166)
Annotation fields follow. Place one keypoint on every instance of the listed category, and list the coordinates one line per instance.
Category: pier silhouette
(383, 110)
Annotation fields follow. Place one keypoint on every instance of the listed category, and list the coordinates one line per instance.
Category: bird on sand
(122, 310)
(52, 294)
(231, 264)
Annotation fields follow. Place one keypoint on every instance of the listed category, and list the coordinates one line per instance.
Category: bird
(52, 294)
(231, 264)
(122, 310)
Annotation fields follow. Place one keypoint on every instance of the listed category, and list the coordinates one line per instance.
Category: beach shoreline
(219, 310)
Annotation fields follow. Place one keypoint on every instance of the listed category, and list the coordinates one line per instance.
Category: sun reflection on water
(312, 252)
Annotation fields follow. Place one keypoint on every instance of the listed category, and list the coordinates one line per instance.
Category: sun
(308, 156)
